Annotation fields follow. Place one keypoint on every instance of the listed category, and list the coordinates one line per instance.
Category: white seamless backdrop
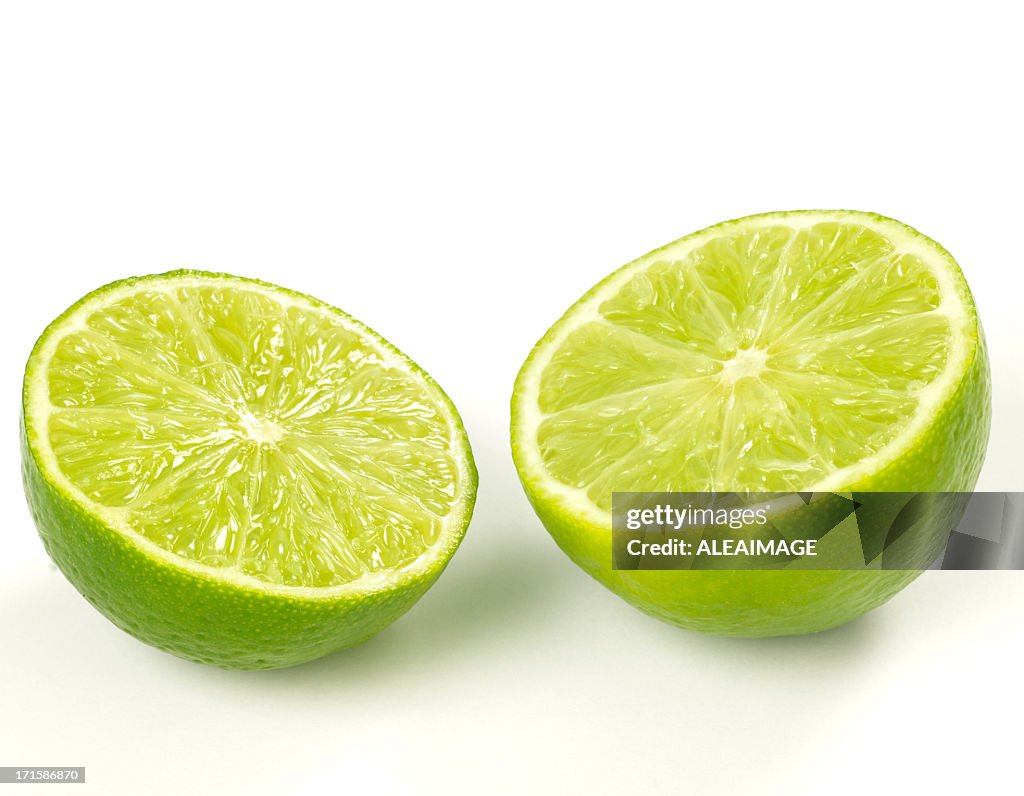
(455, 174)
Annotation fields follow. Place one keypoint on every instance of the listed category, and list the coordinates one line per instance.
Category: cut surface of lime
(804, 351)
(241, 434)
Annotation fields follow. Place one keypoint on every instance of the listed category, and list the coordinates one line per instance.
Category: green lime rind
(947, 456)
(194, 611)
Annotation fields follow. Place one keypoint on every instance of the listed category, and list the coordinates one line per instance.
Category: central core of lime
(746, 362)
(260, 430)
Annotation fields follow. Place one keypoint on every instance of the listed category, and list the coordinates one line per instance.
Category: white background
(455, 175)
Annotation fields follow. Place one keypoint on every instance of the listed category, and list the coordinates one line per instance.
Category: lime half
(237, 473)
(801, 351)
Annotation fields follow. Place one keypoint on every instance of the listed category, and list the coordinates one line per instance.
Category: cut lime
(803, 351)
(236, 473)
